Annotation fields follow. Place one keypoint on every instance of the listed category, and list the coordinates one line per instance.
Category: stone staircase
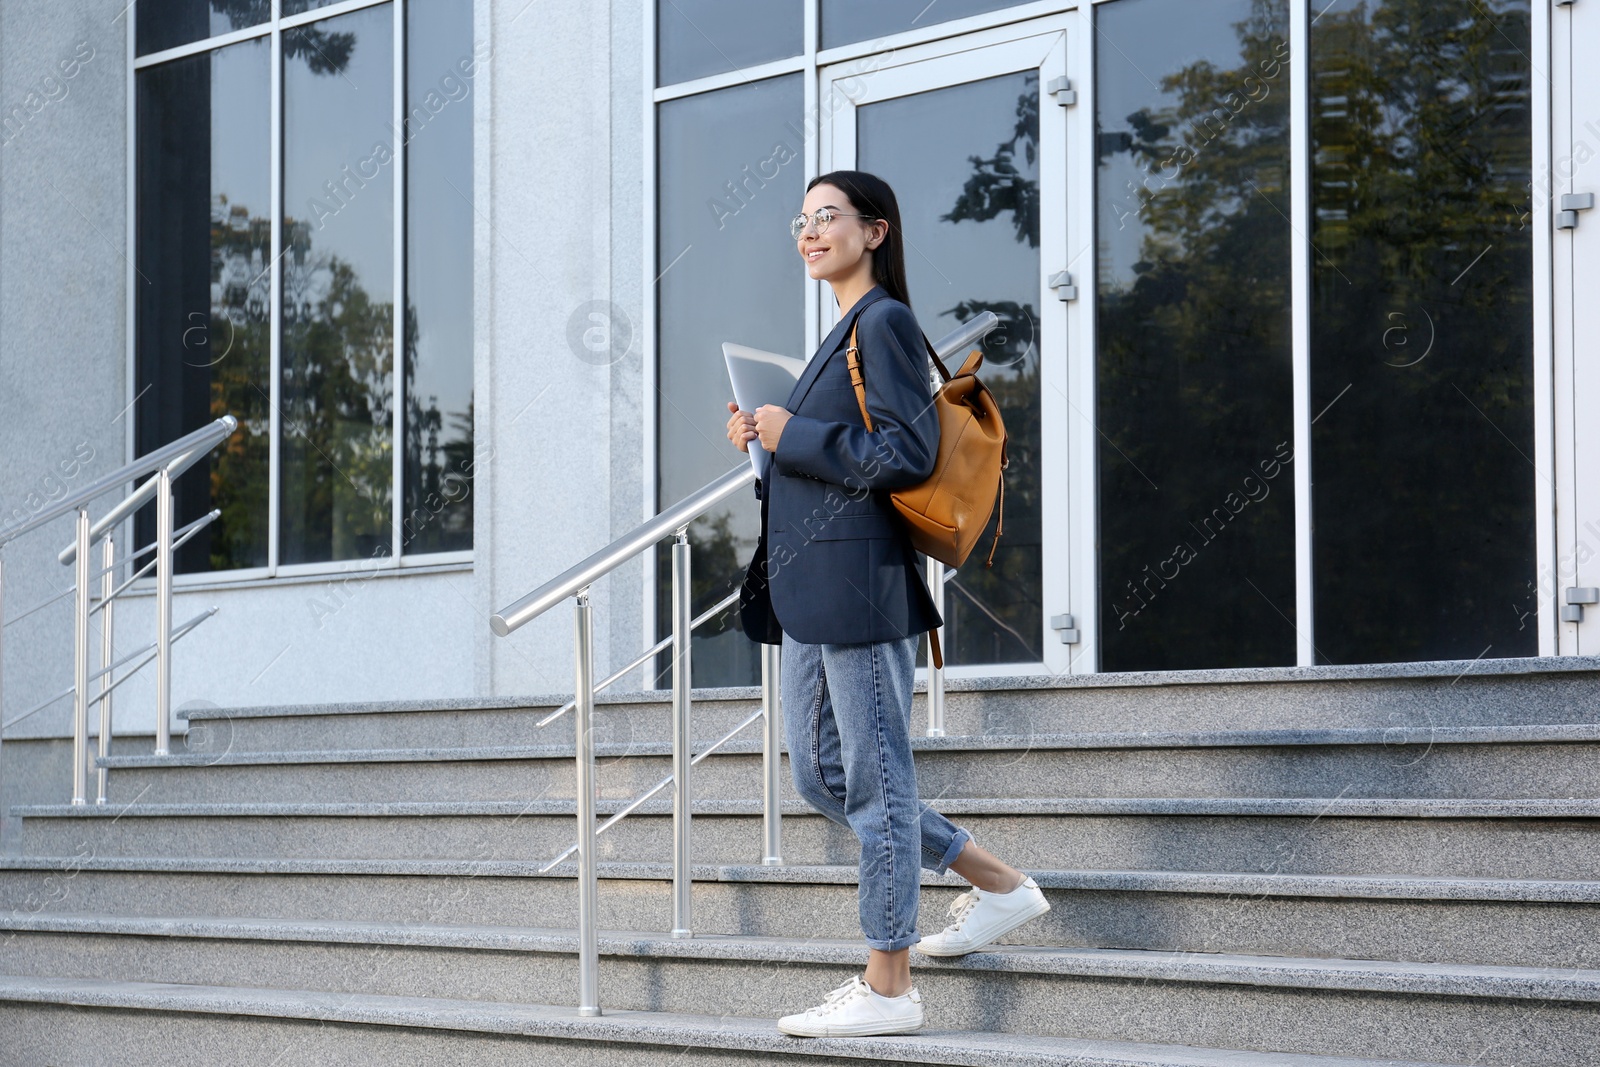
(1316, 867)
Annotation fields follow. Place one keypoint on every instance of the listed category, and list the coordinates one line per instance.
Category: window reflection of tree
(238, 351)
(338, 394)
(1422, 133)
(1003, 620)
(1194, 387)
(323, 52)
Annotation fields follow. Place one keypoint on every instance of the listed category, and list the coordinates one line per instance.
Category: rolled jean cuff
(895, 945)
(956, 845)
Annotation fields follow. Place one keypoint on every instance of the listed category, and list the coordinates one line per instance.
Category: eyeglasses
(822, 218)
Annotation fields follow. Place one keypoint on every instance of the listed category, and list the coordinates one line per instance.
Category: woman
(836, 582)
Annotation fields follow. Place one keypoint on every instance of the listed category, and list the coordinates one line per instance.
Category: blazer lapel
(829, 344)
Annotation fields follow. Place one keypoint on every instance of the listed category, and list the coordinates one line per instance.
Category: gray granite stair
(1541, 690)
(1521, 762)
(1528, 923)
(1553, 838)
(1312, 1006)
(47, 1021)
(1275, 867)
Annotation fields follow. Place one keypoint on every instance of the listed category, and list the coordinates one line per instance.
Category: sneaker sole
(1033, 912)
(858, 1030)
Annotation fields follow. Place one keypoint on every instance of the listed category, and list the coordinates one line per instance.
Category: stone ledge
(1264, 807)
(648, 1028)
(1369, 976)
(1206, 883)
(1453, 669)
(1568, 733)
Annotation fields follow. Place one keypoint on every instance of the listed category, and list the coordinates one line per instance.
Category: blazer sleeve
(904, 442)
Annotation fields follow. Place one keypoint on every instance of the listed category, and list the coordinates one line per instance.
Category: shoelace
(837, 997)
(960, 907)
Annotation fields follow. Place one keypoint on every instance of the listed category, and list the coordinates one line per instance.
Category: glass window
(731, 175)
(162, 24)
(698, 38)
(1422, 332)
(1194, 402)
(204, 143)
(848, 21)
(440, 72)
(338, 289)
(203, 300)
(964, 164)
(300, 7)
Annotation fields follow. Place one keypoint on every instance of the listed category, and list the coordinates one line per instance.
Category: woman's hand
(769, 421)
(741, 427)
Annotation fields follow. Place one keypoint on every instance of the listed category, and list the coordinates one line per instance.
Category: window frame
(272, 29)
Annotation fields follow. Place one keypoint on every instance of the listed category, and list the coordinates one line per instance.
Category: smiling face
(846, 247)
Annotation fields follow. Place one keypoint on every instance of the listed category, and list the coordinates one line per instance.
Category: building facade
(1295, 352)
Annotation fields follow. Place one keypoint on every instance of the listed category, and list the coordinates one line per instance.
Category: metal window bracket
(1577, 597)
(1061, 282)
(1066, 627)
(1571, 204)
(1061, 88)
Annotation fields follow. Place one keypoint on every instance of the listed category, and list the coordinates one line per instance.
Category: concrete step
(49, 1021)
(1509, 762)
(1306, 1005)
(465, 723)
(1318, 1006)
(1520, 691)
(1420, 837)
(1472, 921)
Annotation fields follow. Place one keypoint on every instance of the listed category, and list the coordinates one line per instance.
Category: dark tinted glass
(1194, 382)
(338, 289)
(202, 250)
(441, 86)
(847, 21)
(160, 24)
(730, 176)
(1422, 331)
(697, 38)
(964, 165)
(297, 7)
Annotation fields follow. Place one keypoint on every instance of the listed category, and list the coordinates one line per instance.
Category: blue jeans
(847, 717)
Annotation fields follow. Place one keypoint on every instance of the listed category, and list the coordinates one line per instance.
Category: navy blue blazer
(834, 563)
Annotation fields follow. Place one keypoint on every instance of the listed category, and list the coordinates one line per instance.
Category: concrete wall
(559, 225)
(63, 382)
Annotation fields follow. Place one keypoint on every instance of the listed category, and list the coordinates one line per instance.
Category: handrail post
(108, 562)
(163, 610)
(771, 765)
(681, 742)
(80, 663)
(935, 674)
(588, 944)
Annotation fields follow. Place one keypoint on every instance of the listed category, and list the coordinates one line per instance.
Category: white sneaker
(981, 918)
(856, 1010)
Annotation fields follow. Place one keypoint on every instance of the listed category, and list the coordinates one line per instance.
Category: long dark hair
(871, 195)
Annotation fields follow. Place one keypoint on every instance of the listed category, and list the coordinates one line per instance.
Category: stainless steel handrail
(633, 805)
(575, 582)
(179, 536)
(205, 438)
(582, 575)
(163, 465)
(660, 646)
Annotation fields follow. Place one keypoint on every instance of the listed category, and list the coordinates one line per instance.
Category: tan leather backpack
(946, 514)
